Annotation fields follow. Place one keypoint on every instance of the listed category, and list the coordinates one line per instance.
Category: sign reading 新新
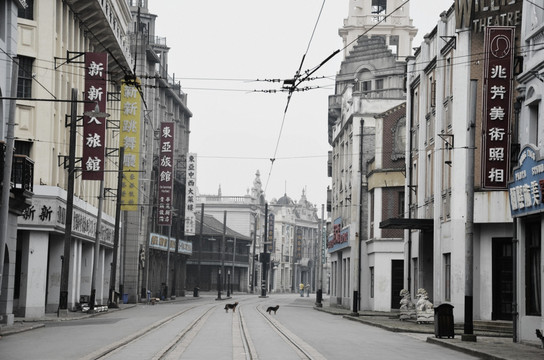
(527, 188)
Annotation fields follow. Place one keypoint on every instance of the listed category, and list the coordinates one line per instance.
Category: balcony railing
(22, 174)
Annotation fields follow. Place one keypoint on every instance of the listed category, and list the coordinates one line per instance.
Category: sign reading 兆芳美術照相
(526, 189)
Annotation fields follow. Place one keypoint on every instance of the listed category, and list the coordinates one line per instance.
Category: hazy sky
(221, 51)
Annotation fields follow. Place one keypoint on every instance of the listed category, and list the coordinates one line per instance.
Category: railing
(22, 173)
(207, 256)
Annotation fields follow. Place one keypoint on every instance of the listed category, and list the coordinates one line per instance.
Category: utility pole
(65, 272)
(265, 261)
(96, 257)
(8, 161)
(111, 303)
(468, 334)
(319, 293)
(253, 258)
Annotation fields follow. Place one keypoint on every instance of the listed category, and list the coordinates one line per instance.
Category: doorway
(502, 279)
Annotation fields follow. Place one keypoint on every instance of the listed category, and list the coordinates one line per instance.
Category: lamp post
(253, 258)
(96, 114)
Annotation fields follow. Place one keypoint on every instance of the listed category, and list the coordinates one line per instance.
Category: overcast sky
(221, 51)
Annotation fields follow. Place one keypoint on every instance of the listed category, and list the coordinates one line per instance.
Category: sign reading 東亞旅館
(527, 188)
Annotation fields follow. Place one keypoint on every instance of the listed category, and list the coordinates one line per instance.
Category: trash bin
(195, 291)
(443, 321)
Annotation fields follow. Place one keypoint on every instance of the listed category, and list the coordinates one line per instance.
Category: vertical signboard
(298, 245)
(190, 195)
(498, 89)
(130, 140)
(94, 127)
(271, 231)
(166, 179)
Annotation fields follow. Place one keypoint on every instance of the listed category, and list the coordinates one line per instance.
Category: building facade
(370, 82)
(165, 102)
(53, 39)
(459, 235)
(18, 190)
(526, 186)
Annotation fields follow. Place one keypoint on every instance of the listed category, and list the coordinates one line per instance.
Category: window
(379, 84)
(533, 123)
(400, 210)
(27, 13)
(447, 277)
(24, 84)
(372, 282)
(366, 86)
(379, 6)
(533, 273)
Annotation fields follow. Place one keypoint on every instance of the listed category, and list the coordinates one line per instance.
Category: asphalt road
(199, 328)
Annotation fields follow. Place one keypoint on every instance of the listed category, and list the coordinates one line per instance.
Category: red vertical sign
(94, 128)
(166, 172)
(498, 89)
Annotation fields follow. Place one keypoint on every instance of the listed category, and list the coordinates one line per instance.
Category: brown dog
(272, 308)
(231, 306)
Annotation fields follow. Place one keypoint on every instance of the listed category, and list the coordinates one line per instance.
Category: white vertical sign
(190, 195)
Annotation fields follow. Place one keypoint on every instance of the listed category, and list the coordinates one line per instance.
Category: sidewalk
(487, 346)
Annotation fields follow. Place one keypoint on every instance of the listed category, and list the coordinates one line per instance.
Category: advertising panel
(130, 140)
(190, 195)
(166, 178)
(94, 127)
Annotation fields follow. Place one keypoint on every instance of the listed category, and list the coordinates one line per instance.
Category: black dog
(272, 308)
(231, 306)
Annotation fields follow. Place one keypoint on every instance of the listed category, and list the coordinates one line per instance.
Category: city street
(199, 328)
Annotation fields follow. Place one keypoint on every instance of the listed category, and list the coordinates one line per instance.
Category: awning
(412, 224)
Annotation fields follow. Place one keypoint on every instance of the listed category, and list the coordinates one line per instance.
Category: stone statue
(424, 308)
(407, 307)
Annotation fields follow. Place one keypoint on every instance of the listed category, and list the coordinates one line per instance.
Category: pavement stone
(487, 346)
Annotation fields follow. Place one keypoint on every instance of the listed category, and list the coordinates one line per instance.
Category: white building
(528, 251)
(52, 41)
(459, 243)
(370, 82)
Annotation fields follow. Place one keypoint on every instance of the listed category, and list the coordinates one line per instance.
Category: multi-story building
(370, 82)
(164, 102)
(16, 172)
(526, 188)
(295, 247)
(243, 215)
(54, 37)
(459, 241)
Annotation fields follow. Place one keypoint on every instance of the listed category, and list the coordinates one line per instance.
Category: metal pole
(63, 297)
(319, 293)
(253, 261)
(233, 260)
(96, 247)
(167, 263)
(200, 244)
(223, 244)
(113, 275)
(8, 161)
(265, 261)
(469, 227)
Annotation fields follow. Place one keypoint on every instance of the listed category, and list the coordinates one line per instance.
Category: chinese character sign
(130, 140)
(270, 239)
(498, 90)
(298, 244)
(527, 189)
(94, 128)
(166, 173)
(190, 195)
